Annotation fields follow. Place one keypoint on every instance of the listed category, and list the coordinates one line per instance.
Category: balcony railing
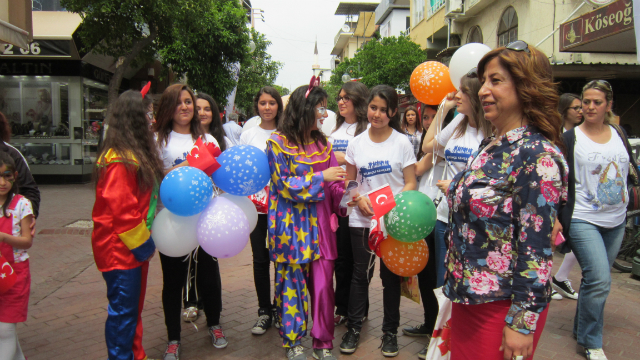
(435, 5)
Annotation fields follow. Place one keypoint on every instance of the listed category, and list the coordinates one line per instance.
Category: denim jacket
(503, 208)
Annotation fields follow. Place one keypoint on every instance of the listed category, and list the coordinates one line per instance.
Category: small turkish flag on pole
(202, 157)
(382, 200)
(376, 233)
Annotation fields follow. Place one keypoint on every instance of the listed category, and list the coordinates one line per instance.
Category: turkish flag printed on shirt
(7, 275)
(382, 202)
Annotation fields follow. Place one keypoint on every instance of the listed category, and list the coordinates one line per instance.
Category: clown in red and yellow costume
(122, 245)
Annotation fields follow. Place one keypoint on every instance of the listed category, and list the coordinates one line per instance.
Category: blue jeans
(441, 252)
(595, 248)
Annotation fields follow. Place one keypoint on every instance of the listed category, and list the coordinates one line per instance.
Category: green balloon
(413, 217)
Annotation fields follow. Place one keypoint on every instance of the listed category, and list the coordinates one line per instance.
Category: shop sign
(40, 67)
(95, 73)
(39, 48)
(600, 23)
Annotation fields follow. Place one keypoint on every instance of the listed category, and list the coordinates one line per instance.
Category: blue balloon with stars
(244, 170)
(186, 191)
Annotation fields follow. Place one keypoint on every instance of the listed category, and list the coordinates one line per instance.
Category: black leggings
(174, 272)
(427, 280)
(359, 294)
(193, 298)
(261, 263)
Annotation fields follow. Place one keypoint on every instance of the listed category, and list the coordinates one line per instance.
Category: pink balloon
(223, 228)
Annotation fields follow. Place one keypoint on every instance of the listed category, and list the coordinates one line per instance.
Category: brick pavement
(68, 304)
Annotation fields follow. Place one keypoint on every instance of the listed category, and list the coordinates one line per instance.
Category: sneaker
(564, 288)
(349, 341)
(323, 354)
(263, 323)
(556, 295)
(218, 339)
(389, 344)
(339, 319)
(595, 354)
(418, 330)
(296, 353)
(190, 314)
(423, 353)
(275, 318)
(173, 351)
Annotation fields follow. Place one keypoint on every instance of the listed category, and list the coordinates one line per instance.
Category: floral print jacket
(502, 209)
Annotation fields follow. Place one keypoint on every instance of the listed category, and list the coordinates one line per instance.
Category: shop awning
(52, 36)
(13, 35)
(608, 29)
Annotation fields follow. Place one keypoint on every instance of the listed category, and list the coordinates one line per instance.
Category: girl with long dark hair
(16, 215)
(268, 105)
(412, 127)
(381, 155)
(209, 114)
(178, 127)
(351, 121)
(127, 174)
(306, 191)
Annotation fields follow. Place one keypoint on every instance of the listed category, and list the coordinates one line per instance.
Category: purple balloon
(223, 228)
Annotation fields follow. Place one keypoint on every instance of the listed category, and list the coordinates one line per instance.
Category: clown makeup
(7, 179)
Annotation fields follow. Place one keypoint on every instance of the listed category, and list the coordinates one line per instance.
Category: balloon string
(193, 254)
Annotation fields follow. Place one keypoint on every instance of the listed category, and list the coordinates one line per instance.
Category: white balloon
(329, 123)
(247, 207)
(253, 122)
(174, 235)
(464, 59)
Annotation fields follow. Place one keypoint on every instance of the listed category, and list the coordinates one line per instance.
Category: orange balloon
(404, 259)
(430, 82)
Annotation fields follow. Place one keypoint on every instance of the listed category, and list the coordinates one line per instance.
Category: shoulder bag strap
(633, 168)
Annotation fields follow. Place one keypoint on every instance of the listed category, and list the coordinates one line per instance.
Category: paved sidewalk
(68, 304)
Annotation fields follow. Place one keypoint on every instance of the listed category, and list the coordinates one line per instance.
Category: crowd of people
(514, 169)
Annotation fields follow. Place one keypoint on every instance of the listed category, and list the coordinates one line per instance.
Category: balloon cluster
(404, 251)
(194, 216)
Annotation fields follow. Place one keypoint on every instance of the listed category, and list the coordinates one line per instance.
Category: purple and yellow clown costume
(301, 241)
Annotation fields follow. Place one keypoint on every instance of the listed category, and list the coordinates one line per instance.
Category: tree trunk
(123, 63)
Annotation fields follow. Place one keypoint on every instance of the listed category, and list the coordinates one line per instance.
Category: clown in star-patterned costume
(301, 241)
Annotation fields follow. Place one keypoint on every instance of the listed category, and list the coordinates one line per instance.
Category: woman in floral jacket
(503, 208)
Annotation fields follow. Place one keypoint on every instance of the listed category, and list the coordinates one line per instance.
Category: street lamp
(346, 77)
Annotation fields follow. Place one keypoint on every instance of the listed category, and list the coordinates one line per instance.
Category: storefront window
(35, 107)
(95, 110)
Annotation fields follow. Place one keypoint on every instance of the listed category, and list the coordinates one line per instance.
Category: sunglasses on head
(518, 45)
(473, 73)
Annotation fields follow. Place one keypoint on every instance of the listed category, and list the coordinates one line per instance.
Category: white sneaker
(556, 295)
(595, 354)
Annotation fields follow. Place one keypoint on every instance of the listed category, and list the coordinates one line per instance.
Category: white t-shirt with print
(23, 209)
(256, 136)
(378, 164)
(341, 136)
(178, 147)
(456, 151)
(600, 188)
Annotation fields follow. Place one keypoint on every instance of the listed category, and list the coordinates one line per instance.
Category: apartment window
(508, 27)
(408, 27)
(418, 11)
(46, 5)
(475, 35)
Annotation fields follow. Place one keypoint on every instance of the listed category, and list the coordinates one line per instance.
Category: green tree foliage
(256, 71)
(282, 90)
(389, 61)
(199, 38)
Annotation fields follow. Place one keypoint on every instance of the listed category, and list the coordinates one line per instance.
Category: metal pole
(563, 21)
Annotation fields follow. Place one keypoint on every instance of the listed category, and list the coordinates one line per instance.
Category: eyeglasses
(473, 73)
(576, 108)
(519, 45)
(150, 115)
(346, 99)
(321, 110)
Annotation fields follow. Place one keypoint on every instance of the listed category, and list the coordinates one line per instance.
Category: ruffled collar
(315, 152)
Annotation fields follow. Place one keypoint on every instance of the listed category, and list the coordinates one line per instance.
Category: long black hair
(390, 96)
(215, 128)
(274, 94)
(300, 115)
(358, 93)
(7, 160)
(129, 136)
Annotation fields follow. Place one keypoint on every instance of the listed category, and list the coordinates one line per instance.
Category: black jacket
(566, 211)
(27, 187)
